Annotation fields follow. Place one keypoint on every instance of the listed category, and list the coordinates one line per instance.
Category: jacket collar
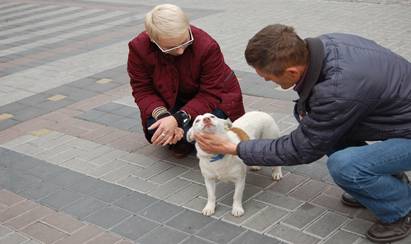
(312, 74)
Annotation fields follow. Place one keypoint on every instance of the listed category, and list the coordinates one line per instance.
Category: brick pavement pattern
(75, 166)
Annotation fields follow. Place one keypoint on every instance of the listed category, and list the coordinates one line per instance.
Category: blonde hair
(166, 20)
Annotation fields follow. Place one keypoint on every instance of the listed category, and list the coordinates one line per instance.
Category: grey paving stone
(250, 208)
(16, 181)
(109, 192)
(86, 185)
(249, 192)
(167, 175)
(74, 93)
(334, 204)
(84, 207)
(92, 115)
(304, 215)
(138, 159)
(124, 123)
(45, 170)
(288, 234)
(4, 231)
(108, 217)
(287, 183)
(66, 178)
(60, 199)
(343, 237)
(134, 227)
(49, 106)
(160, 211)
(38, 191)
(186, 194)
(110, 107)
(195, 176)
(5, 124)
(278, 200)
(259, 180)
(250, 237)
(189, 222)
(309, 190)
(222, 189)
(14, 238)
(153, 170)
(12, 160)
(11, 107)
(326, 224)
(165, 190)
(163, 234)
(358, 226)
(220, 232)
(135, 202)
(196, 240)
(137, 184)
(264, 219)
(198, 203)
(127, 111)
(108, 119)
(27, 113)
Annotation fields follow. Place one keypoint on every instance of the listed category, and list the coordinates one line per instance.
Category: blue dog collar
(216, 157)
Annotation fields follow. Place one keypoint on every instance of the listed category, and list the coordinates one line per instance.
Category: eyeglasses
(184, 45)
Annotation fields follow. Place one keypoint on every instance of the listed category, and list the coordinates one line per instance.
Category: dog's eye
(212, 116)
(196, 121)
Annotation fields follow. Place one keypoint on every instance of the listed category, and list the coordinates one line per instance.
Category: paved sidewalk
(76, 168)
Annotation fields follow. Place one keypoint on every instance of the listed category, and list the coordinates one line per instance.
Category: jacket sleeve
(212, 78)
(141, 83)
(318, 132)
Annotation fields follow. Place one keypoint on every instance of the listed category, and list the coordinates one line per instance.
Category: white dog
(252, 125)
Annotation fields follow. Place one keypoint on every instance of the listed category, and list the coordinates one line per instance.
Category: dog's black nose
(206, 120)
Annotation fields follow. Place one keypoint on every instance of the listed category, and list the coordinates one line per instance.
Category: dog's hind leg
(238, 198)
(209, 208)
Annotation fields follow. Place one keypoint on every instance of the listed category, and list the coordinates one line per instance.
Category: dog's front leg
(209, 208)
(238, 198)
(277, 174)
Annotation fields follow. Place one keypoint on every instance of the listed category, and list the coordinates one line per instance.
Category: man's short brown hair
(275, 48)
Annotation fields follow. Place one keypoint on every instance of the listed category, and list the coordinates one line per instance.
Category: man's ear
(190, 135)
(227, 124)
(294, 73)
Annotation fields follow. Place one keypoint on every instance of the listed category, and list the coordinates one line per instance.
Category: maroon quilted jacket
(199, 78)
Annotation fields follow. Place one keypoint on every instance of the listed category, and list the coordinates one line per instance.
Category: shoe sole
(388, 240)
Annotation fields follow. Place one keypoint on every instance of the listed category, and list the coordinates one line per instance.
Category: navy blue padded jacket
(354, 89)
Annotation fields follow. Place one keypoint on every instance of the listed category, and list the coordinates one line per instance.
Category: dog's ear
(227, 124)
(190, 136)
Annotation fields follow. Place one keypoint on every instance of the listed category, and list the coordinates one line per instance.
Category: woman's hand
(165, 133)
(215, 144)
(178, 135)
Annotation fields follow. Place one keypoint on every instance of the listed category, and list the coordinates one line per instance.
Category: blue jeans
(366, 172)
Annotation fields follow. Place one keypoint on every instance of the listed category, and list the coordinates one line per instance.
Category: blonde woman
(177, 71)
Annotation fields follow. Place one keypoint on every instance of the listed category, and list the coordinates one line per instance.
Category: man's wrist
(232, 149)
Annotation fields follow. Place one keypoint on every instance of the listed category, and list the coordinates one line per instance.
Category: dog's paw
(237, 211)
(277, 175)
(255, 168)
(208, 210)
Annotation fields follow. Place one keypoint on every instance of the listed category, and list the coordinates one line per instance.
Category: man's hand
(215, 144)
(166, 128)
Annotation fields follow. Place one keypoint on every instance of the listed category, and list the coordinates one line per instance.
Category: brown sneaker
(380, 232)
(181, 150)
